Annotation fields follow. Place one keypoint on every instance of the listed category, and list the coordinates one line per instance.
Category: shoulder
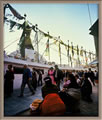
(28, 69)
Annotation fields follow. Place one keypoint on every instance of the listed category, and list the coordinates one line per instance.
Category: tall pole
(48, 48)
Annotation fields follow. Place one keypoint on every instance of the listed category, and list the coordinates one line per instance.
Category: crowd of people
(77, 85)
(32, 78)
(56, 100)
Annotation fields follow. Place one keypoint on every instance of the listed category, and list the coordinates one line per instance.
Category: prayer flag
(47, 48)
(12, 24)
(15, 13)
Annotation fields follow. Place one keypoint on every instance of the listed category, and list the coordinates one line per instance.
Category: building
(95, 32)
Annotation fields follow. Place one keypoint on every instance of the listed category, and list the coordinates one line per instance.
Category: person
(34, 79)
(91, 76)
(51, 74)
(86, 89)
(66, 82)
(26, 80)
(52, 104)
(78, 80)
(58, 75)
(66, 73)
(70, 95)
(73, 82)
(39, 78)
(96, 75)
(8, 84)
(48, 87)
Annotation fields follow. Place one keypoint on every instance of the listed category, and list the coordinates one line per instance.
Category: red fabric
(52, 105)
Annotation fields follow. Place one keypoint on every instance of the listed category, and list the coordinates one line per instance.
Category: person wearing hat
(52, 104)
(48, 87)
(26, 80)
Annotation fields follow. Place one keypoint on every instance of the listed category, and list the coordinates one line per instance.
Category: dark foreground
(15, 106)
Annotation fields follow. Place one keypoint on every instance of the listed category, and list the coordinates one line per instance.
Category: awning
(93, 62)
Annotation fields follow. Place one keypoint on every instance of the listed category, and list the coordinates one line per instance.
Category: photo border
(2, 59)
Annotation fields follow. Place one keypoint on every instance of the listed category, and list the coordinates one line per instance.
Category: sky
(69, 21)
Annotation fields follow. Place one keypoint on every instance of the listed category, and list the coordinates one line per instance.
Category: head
(56, 66)
(86, 75)
(51, 68)
(71, 78)
(47, 80)
(10, 67)
(89, 69)
(33, 69)
(25, 66)
(85, 71)
(76, 76)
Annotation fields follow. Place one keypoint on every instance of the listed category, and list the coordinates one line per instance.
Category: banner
(81, 52)
(72, 51)
(70, 58)
(12, 24)
(77, 50)
(15, 13)
(47, 48)
(59, 49)
(19, 26)
(35, 41)
(85, 52)
(68, 51)
(90, 56)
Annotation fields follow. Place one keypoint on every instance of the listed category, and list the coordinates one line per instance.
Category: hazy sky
(69, 21)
